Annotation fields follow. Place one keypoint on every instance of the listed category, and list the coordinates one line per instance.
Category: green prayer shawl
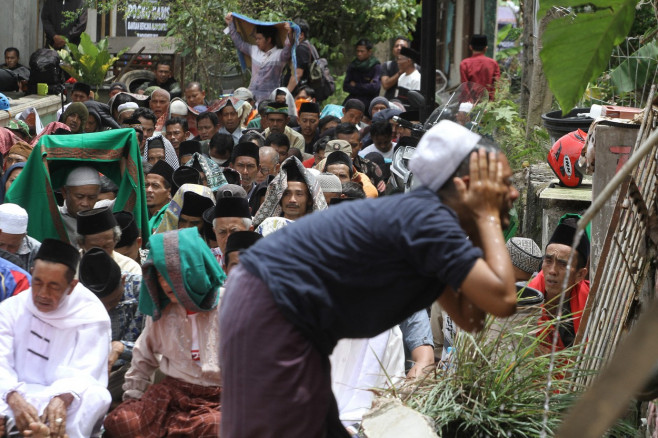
(189, 268)
(113, 153)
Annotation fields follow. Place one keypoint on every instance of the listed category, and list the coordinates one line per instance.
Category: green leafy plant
(495, 383)
(501, 121)
(577, 45)
(88, 62)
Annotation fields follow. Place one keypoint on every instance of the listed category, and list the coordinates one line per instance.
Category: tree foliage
(577, 46)
(198, 26)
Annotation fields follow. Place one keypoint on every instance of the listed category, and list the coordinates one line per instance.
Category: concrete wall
(20, 27)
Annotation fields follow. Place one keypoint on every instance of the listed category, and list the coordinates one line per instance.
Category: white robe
(64, 351)
(356, 367)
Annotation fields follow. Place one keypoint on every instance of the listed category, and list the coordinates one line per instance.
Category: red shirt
(309, 163)
(481, 70)
(578, 299)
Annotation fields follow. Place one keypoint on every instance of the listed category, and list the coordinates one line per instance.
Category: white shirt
(373, 148)
(411, 81)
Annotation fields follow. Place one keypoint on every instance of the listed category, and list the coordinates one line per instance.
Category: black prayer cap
(565, 233)
(189, 147)
(129, 230)
(184, 175)
(240, 240)
(195, 204)
(246, 149)
(99, 272)
(81, 86)
(411, 54)
(95, 221)
(232, 176)
(276, 108)
(339, 157)
(207, 229)
(309, 107)
(232, 207)
(292, 171)
(163, 169)
(56, 251)
(410, 116)
(155, 143)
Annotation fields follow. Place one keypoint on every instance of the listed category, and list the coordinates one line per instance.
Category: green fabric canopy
(113, 153)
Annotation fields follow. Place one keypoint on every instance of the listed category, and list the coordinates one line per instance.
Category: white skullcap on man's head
(127, 106)
(329, 183)
(83, 176)
(178, 107)
(440, 152)
(13, 219)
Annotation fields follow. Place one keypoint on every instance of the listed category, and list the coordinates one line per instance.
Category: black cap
(189, 147)
(195, 204)
(410, 116)
(207, 216)
(240, 240)
(129, 230)
(245, 149)
(411, 54)
(163, 169)
(566, 232)
(276, 108)
(309, 107)
(95, 221)
(99, 272)
(232, 207)
(155, 143)
(184, 175)
(56, 251)
(81, 86)
(229, 190)
(339, 157)
(232, 176)
(118, 86)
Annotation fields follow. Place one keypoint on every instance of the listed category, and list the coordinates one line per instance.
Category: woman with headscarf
(211, 172)
(180, 296)
(167, 154)
(186, 208)
(292, 170)
(8, 178)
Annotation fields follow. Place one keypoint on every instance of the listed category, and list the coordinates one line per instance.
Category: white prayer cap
(465, 107)
(13, 219)
(178, 107)
(83, 176)
(127, 106)
(440, 152)
(329, 183)
(243, 93)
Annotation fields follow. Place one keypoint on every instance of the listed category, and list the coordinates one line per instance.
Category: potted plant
(88, 62)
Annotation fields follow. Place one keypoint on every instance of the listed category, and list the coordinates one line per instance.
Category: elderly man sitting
(80, 192)
(13, 234)
(54, 345)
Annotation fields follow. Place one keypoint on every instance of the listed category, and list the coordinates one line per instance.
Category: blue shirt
(359, 268)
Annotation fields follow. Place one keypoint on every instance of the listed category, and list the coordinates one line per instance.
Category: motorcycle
(465, 105)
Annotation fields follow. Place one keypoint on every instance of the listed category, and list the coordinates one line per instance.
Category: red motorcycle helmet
(563, 158)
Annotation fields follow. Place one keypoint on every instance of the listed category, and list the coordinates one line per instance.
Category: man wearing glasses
(550, 281)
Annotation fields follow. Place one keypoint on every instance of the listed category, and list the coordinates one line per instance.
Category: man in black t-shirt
(390, 71)
(304, 54)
